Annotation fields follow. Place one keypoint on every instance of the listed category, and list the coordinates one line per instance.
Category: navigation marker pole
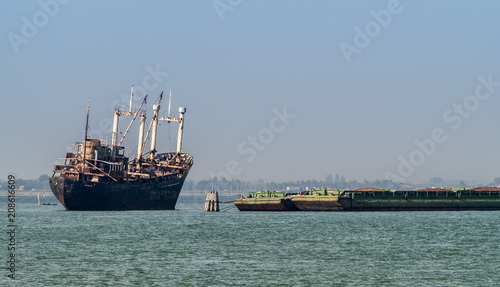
(212, 201)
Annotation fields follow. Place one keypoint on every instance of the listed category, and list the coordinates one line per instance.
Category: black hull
(87, 195)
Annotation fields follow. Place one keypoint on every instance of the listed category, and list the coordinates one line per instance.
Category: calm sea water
(189, 247)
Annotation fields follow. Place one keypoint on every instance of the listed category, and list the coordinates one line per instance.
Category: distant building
(292, 188)
(329, 178)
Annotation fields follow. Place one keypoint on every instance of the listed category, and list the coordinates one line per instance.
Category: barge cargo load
(374, 199)
(265, 201)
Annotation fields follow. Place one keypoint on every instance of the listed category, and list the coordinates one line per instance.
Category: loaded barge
(98, 176)
(373, 199)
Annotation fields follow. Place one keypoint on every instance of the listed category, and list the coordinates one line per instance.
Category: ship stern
(57, 187)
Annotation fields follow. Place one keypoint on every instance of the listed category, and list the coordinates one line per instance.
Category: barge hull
(264, 204)
(421, 205)
(487, 198)
(317, 203)
(421, 200)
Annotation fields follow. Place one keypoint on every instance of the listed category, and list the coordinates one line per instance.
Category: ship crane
(154, 125)
(180, 120)
(127, 111)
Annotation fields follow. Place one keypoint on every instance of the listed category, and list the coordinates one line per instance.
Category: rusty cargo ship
(373, 199)
(95, 175)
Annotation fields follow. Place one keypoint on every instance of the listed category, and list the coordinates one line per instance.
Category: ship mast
(85, 137)
(180, 120)
(181, 128)
(155, 127)
(128, 111)
(154, 121)
(131, 97)
(169, 103)
(137, 113)
(141, 136)
(122, 112)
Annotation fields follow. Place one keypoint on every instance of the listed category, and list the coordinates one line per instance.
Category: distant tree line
(337, 181)
(42, 183)
(235, 185)
(298, 185)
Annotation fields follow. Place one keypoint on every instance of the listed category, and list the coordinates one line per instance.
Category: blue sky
(237, 65)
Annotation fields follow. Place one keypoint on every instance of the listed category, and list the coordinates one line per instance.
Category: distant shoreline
(45, 193)
(28, 193)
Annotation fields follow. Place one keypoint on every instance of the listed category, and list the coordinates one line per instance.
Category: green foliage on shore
(223, 184)
(42, 183)
(338, 181)
(299, 185)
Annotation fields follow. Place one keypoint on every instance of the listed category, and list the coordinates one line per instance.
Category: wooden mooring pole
(212, 201)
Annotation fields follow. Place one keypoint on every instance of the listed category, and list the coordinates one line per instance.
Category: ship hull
(265, 204)
(88, 195)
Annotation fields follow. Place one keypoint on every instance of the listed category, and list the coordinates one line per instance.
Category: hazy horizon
(279, 91)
